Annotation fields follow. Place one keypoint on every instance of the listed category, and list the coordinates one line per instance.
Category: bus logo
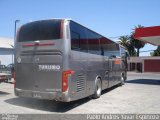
(19, 60)
(49, 67)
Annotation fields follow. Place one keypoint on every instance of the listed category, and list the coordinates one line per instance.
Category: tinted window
(75, 40)
(93, 42)
(40, 30)
(123, 52)
(109, 48)
(85, 40)
(78, 37)
(2, 66)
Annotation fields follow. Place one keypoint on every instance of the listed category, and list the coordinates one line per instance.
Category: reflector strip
(37, 44)
(117, 61)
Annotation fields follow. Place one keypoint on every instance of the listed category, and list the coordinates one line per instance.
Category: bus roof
(69, 19)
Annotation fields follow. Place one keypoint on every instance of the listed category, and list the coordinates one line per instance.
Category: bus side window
(123, 53)
(93, 42)
(83, 40)
(75, 40)
(78, 37)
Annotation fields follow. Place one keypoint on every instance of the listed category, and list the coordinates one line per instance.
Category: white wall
(6, 59)
(6, 50)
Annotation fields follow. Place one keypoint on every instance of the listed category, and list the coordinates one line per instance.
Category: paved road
(140, 94)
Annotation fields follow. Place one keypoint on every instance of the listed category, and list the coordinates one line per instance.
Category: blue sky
(110, 18)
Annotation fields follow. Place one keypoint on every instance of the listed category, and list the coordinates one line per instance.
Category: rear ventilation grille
(80, 83)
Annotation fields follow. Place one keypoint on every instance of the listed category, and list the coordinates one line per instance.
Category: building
(149, 35)
(6, 50)
(144, 64)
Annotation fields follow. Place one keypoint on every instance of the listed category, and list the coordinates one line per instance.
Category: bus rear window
(40, 30)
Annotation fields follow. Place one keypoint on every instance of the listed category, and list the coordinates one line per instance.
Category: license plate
(3, 77)
(37, 95)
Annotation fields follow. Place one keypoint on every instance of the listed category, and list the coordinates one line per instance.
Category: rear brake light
(66, 75)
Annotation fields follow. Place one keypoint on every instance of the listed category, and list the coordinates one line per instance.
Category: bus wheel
(122, 79)
(98, 88)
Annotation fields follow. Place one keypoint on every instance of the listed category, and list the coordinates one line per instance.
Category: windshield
(2, 66)
(40, 30)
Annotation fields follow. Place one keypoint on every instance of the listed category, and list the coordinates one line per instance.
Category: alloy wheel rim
(98, 88)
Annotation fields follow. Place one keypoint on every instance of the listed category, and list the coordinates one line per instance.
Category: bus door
(106, 72)
(117, 70)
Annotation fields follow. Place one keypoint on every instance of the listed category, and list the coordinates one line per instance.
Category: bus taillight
(66, 75)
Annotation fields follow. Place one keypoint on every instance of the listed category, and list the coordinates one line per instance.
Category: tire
(125, 77)
(122, 79)
(98, 88)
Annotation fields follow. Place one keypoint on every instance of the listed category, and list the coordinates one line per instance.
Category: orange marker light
(117, 61)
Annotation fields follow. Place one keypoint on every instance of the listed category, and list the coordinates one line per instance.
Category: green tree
(136, 43)
(125, 41)
(156, 52)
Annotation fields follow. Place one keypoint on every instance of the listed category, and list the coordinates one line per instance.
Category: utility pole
(15, 31)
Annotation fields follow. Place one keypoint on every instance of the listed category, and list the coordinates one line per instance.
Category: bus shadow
(51, 106)
(110, 89)
(59, 107)
(46, 105)
(144, 81)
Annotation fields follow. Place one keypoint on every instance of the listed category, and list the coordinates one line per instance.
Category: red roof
(149, 35)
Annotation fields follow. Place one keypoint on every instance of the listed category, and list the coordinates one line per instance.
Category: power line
(117, 36)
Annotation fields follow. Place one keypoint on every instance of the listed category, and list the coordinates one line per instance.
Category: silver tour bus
(59, 59)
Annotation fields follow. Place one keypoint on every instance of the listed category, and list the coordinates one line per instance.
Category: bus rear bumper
(58, 96)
